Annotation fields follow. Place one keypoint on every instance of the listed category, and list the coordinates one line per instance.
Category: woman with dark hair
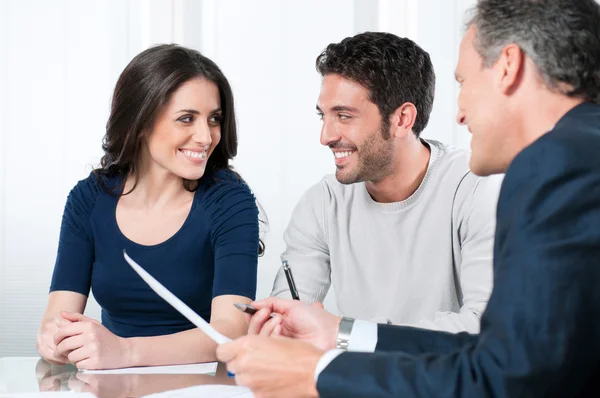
(166, 194)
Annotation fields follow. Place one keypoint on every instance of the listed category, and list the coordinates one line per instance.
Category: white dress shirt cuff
(363, 338)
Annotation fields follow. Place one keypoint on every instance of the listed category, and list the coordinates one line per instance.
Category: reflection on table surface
(16, 375)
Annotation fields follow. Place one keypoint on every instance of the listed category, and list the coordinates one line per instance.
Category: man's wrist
(335, 330)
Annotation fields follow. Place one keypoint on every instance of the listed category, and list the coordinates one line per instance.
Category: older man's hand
(298, 320)
(272, 367)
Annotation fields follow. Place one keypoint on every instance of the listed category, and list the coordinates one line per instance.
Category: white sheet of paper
(176, 303)
(213, 391)
(196, 368)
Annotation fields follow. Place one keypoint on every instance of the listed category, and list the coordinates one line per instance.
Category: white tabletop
(32, 377)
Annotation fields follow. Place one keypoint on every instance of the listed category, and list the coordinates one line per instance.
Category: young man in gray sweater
(404, 231)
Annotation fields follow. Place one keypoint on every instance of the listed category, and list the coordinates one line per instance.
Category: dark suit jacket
(540, 333)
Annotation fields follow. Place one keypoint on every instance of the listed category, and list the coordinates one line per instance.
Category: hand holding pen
(273, 321)
(294, 319)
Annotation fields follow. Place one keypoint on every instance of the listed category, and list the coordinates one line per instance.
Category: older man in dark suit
(530, 87)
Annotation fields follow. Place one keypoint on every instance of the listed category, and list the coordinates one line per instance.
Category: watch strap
(344, 332)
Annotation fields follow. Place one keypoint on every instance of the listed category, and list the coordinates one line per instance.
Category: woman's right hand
(45, 341)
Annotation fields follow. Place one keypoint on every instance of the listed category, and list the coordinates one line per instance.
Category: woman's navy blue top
(214, 253)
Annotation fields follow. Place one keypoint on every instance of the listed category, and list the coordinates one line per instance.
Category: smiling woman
(165, 192)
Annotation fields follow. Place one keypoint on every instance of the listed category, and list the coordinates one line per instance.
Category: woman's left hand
(89, 345)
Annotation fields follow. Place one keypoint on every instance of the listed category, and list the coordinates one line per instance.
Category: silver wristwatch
(343, 336)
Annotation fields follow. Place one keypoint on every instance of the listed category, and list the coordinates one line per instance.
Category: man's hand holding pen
(281, 326)
(295, 319)
(257, 360)
(275, 317)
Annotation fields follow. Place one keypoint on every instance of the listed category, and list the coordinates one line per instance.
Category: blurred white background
(60, 59)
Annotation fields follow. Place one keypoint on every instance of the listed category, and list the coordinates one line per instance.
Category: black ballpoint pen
(248, 309)
(290, 279)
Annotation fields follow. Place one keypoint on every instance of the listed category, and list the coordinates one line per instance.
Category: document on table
(215, 391)
(196, 368)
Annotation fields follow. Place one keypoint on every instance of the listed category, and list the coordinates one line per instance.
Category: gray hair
(561, 37)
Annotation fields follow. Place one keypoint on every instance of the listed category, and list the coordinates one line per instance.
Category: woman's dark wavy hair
(143, 89)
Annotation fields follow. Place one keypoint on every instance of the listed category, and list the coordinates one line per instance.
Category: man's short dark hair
(395, 70)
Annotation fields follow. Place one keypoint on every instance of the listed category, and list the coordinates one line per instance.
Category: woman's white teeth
(340, 155)
(196, 155)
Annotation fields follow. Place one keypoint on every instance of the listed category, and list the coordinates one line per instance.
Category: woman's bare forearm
(190, 346)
